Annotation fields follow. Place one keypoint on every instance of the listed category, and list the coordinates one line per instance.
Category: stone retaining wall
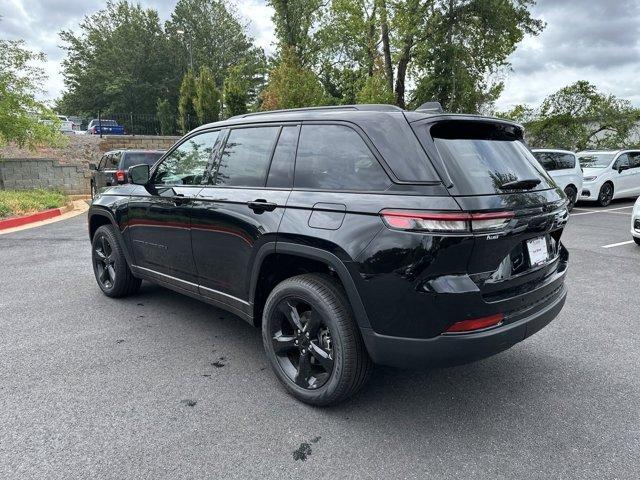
(29, 173)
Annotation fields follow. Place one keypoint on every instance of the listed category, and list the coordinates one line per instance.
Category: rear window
(105, 123)
(482, 157)
(555, 160)
(137, 158)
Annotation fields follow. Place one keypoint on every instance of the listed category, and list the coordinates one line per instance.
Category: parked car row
(598, 176)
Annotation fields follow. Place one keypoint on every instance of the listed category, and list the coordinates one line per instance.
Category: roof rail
(364, 107)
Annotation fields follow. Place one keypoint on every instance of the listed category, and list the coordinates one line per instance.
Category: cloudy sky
(595, 40)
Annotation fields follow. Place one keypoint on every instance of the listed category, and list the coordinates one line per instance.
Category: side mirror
(93, 166)
(139, 174)
(622, 168)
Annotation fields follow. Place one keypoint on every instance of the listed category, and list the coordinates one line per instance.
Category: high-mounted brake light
(120, 176)
(454, 222)
(476, 324)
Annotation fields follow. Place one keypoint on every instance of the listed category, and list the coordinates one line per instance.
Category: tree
(294, 21)
(165, 117)
(376, 90)
(469, 43)
(118, 62)
(235, 92)
(217, 38)
(207, 97)
(291, 85)
(186, 110)
(23, 119)
(578, 117)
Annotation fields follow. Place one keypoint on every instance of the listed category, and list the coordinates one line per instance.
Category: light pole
(181, 32)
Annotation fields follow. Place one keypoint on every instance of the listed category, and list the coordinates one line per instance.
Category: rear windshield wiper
(520, 184)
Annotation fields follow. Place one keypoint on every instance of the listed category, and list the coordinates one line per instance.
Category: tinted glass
(555, 160)
(481, 158)
(246, 155)
(112, 161)
(281, 170)
(622, 161)
(595, 160)
(334, 157)
(136, 158)
(187, 164)
(634, 160)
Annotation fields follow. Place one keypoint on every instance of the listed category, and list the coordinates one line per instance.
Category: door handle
(261, 205)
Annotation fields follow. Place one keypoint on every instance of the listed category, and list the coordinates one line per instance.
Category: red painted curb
(35, 217)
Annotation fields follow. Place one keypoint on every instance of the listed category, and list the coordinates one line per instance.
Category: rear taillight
(452, 222)
(476, 324)
(120, 176)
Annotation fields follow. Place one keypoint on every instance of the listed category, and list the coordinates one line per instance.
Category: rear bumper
(445, 350)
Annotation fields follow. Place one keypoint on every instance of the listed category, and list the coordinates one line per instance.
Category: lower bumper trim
(448, 350)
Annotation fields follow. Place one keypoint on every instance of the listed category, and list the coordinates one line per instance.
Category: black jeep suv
(351, 235)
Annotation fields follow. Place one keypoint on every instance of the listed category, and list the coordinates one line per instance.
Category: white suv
(564, 168)
(609, 174)
(635, 222)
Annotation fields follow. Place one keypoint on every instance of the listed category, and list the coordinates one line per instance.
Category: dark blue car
(105, 127)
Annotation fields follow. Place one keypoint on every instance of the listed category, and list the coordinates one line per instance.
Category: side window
(547, 160)
(245, 158)
(281, 170)
(622, 161)
(102, 163)
(335, 157)
(114, 161)
(565, 161)
(634, 160)
(186, 165)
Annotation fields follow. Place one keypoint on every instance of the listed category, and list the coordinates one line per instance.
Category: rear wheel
(110, 267)
(312, 340)
(606, 194)
(572, 195)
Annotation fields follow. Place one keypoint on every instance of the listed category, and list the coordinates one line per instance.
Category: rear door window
(245, 159)
(281, 170)
(481, 157)
(335, 157)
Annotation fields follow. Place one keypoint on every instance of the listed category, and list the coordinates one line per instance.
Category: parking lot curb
(72, 209)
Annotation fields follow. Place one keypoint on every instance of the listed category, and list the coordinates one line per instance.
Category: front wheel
(606, 194)
(110, 267)
(572, 196)
(637, 240)
(312, 341)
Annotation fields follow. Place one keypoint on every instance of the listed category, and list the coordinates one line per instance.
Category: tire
(606, 194)
(324, 311)
(637, 240)
(572, 194)
(110, 267)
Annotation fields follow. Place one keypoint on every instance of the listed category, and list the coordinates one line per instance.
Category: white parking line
(585, 211)
(617, 244)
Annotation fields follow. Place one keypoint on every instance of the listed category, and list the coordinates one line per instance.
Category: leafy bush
(22, 202)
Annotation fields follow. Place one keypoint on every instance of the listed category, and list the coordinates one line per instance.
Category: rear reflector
(445, 221)
(476, 324)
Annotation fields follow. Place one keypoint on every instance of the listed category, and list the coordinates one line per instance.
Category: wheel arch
(294, 259)
(99, 217)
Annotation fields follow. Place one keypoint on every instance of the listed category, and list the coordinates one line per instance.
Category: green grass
(23, 202)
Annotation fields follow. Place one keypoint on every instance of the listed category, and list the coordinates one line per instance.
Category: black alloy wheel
(312, 340)
(606, 194)
(302, 343)
(104, 262)
(110, 267)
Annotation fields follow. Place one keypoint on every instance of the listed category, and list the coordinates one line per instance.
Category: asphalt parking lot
(162, 386)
